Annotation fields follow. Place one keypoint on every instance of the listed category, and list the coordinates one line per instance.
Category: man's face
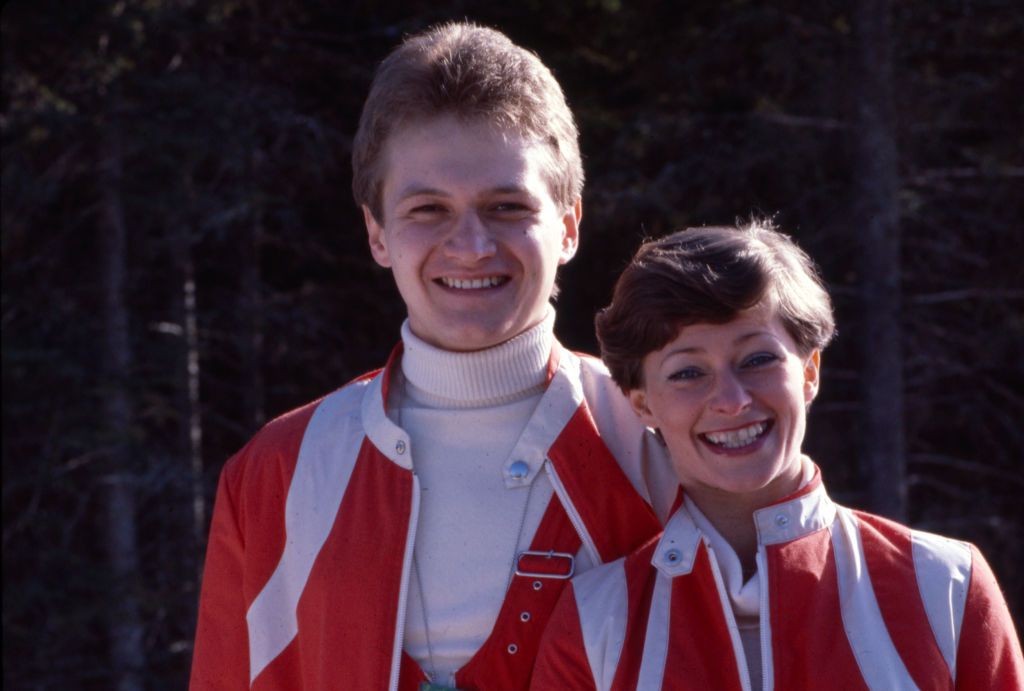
(470, 231)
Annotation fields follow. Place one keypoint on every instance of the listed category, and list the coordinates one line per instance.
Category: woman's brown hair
(709, 275)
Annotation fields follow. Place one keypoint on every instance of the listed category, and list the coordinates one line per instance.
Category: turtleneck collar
(508, 372)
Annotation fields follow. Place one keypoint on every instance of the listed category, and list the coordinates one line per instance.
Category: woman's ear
(812, 376)
(638, 400)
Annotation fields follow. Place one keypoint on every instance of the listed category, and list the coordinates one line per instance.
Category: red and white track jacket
(848, 601)
(310, 548)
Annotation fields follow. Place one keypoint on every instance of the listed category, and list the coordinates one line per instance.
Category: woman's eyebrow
(754, 334)
(688, 350)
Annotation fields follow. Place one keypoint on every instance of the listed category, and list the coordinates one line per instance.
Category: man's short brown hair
(710, 275)
(474, 73)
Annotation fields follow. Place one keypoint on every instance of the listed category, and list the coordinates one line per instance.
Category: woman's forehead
(759, 321)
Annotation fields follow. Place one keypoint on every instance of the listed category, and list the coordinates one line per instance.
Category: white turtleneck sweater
(464, 413)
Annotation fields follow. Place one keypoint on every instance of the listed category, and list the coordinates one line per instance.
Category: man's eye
(685, 374)
(426, 209)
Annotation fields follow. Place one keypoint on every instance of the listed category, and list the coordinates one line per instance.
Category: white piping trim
(765, 623)
(879, 662)
(403, 593)
(739, 655)
(573, 514)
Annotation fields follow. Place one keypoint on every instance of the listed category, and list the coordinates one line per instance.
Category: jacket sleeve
(989, 652)
(562, 661)
(221, 653)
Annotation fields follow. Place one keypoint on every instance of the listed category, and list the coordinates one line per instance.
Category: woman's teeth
(735, 438)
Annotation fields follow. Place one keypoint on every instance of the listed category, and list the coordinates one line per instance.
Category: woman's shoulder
(886, 540)
(596, 584)
(960, 596)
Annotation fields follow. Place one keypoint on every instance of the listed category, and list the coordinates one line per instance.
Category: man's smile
(472, 283)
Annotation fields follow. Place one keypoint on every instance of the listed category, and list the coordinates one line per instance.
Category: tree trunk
(193, 410)
(125, 624)
(251, 299)
(875, 170)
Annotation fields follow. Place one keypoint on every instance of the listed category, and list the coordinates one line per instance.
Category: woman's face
(730, 401)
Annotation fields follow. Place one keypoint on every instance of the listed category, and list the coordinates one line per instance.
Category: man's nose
(470, 238)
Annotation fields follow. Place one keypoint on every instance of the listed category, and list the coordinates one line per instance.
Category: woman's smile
(743, 440)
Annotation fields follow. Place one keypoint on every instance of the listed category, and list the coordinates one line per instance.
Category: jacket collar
(559, 403)
(807, 510)
(390, 439)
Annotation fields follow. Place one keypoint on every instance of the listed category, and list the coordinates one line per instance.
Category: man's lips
(476, 283)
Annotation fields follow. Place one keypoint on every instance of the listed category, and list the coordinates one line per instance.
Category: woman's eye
(760, 360)
(685, 374)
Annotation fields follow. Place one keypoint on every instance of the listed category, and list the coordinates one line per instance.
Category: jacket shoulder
(895, 540)
(276, 445)
(594, 372)
(598, 582)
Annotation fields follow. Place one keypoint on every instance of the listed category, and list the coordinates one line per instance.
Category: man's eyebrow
(508, 189)
(416, 190)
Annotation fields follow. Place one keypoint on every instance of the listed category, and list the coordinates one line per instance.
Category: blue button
(519, 470)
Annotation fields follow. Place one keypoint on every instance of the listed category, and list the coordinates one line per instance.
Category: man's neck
(504, 373)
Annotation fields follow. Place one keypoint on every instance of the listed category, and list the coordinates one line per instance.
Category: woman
(759, 580)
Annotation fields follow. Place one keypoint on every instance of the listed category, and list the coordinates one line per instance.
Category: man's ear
(571, 231)
(638, 401)
(812, 376)
(377, 238)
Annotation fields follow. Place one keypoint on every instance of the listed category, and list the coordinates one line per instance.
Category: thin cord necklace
(432, 675)
(401, 386)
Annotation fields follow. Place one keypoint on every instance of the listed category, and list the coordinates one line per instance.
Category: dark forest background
(182, 259)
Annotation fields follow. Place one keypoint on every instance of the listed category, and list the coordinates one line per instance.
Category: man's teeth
(733, 439)
(470, 283)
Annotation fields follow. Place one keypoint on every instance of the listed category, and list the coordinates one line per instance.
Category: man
(415, 527)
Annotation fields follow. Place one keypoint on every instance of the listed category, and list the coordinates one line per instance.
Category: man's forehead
(441, 155)
(446, 132)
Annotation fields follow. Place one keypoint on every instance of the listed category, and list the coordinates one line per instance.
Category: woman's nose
(729, 396)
